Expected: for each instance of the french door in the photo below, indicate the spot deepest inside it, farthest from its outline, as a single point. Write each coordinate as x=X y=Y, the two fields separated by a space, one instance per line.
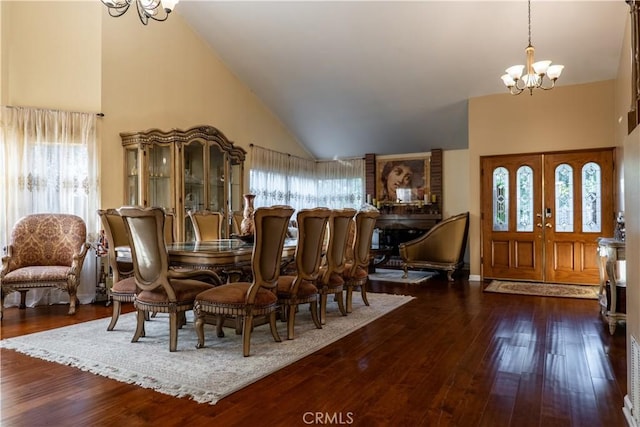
x=541 y=215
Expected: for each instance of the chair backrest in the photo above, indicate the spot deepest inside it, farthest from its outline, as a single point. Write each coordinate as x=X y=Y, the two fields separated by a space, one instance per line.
x=365 y=223
x=46 y=239
x=169 y=233
x=312 y=224
x=145 y=227
x=270 y=232
x=207 y=225
x=236 y=221
x=447 y=240
x=339 y=224
x=117 y=236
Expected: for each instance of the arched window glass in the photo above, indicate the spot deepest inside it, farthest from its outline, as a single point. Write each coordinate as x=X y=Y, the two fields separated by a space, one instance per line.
x=591 y=198
x=564 y=198
x=500 y=199
x=524 y=184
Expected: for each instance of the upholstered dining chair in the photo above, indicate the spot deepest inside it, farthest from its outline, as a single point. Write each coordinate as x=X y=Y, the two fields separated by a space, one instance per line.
x=293 y=290
x=123 y=289
x=169 y=227
x=247 y=300
x=331 y=282
x=356 y=272
x=160 y=289
x=207 y=225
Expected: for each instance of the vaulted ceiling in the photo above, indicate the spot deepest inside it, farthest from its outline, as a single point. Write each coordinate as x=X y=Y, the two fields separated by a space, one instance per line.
x=354 y=77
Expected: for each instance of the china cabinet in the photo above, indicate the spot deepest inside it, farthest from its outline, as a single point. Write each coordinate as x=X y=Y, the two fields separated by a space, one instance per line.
x=181 y=170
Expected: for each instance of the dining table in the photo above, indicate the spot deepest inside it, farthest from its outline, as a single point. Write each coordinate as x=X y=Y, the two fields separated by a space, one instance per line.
x=229 y=258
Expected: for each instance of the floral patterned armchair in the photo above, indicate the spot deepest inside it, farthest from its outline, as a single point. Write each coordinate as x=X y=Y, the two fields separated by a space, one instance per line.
x=45 y=250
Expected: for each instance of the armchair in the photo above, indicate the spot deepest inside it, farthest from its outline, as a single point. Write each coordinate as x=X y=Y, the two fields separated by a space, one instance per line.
x=441 y=248
x=46 y=251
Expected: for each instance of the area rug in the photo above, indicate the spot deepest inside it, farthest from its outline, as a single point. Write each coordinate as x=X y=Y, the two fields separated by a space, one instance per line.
x=543 y=289
x=389 y=275
x=205 y=375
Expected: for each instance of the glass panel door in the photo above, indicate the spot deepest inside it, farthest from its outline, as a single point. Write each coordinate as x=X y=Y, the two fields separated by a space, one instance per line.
x=131 y=172
x=194 y=189
x=160 y=172
x=216 y=179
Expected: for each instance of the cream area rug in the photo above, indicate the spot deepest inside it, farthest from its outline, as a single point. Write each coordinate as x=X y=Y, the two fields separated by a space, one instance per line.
x=205 y=375
x=390 y=275
x=543 y=289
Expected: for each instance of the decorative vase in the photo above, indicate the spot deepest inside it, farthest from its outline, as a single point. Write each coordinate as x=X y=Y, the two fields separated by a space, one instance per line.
x=247 y=225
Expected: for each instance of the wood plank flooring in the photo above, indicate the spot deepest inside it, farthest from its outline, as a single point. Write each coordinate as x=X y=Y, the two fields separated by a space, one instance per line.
x=454 y=356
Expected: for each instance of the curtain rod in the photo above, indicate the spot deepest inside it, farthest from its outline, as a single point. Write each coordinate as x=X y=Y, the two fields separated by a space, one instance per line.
x=50 y=109
x=315 y=160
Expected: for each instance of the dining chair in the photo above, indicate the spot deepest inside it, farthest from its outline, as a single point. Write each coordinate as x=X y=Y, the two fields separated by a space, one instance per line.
x=300 y=288
x=245 y=300
x=169 y=227
x=331 y=282
x=160 y=289
x=356 y=272
x=123 y=289
x=207 y=225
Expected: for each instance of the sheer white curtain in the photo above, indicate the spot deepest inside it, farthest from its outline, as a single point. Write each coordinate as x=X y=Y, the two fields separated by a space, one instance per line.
x=341 y=183
x=49 y=163
x=279 y=178
x=268 y=177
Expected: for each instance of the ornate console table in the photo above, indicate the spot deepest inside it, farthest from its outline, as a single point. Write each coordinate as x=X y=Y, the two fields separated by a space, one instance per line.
x=613 y=285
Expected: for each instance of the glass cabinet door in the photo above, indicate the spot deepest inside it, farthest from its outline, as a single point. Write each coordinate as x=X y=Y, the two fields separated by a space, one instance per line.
x=216 y=179
x=160 y=175
x=194 y=189
x=132 y=177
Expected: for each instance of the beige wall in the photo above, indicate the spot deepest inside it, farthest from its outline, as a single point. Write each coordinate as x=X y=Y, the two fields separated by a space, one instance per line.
x=74 y=56
x=565 y=118
x=45 y=63
x=164 y=76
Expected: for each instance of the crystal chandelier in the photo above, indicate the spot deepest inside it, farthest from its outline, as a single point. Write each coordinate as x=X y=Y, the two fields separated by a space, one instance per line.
x=158 y=10
x=535 y=72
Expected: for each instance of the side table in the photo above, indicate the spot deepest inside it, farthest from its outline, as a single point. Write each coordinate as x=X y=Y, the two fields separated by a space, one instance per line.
x=611 y=263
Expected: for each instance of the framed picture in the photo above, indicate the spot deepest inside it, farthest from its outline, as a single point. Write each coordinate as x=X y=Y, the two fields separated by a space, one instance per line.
x=403 y=178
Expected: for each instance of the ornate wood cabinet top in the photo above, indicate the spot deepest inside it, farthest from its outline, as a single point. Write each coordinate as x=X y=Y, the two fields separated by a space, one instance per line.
x=179 y=137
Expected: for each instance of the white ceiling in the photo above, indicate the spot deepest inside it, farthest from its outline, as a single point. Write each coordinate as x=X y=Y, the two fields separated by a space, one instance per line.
x=355 y=77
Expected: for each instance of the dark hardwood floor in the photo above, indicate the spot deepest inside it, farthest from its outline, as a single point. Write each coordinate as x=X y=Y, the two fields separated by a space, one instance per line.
x=454 y=356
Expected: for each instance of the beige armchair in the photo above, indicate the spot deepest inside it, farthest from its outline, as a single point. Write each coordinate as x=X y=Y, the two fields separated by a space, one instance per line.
x=441 y=248
x=46 y=250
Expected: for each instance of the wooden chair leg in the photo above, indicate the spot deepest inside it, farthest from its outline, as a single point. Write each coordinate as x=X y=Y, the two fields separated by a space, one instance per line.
x=174 y=324
x=199 y=327
x=114 y=315
x=246 y=334
x=313 y=306
x=139 y=327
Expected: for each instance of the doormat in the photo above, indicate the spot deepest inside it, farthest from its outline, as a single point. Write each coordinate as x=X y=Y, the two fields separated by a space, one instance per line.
x=544 y=289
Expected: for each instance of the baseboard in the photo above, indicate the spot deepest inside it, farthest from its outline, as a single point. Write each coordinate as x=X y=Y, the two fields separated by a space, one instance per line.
x=627 y=409
x=474 y=277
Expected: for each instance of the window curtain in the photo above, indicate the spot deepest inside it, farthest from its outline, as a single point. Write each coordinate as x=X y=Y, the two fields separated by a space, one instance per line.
x=279 y=178
x=340 y=183
x=49 y=164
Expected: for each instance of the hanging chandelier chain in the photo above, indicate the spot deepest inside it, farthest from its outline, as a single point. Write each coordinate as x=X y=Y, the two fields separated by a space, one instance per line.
x=529 y=14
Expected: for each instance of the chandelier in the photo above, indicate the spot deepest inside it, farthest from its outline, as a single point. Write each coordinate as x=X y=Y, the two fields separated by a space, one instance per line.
x=158 y=10
x=535 y=72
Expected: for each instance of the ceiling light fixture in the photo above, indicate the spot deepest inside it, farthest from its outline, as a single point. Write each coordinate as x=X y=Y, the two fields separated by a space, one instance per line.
x=158 y=10
x=535 y=71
